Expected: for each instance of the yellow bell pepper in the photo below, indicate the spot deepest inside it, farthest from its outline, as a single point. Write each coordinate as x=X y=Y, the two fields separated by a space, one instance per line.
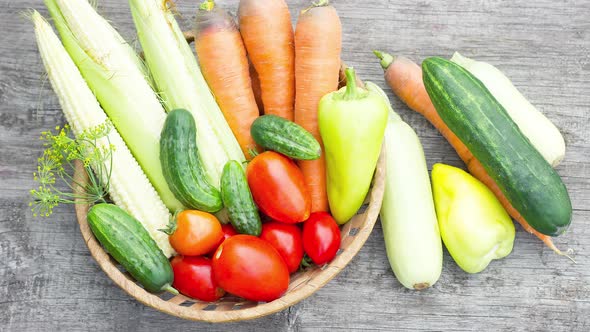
x=474 y=226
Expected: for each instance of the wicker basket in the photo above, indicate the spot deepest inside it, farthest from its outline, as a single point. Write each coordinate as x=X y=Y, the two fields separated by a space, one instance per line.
x=230 y=308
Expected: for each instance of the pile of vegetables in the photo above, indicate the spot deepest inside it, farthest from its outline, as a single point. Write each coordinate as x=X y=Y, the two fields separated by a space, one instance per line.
x=229 y=171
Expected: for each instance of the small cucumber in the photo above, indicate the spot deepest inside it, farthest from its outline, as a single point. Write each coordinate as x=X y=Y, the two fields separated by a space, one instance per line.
x=127 y=241
x=237 y=198
x=280 y=135
x=181 y=165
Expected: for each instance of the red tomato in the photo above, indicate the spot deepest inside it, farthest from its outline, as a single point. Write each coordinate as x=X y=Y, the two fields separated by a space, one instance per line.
x=247 y=266
x=196 y=233
x=287 y=240
x=193 y=276
x=321 y=237
x=278 y=187
x=228 y=231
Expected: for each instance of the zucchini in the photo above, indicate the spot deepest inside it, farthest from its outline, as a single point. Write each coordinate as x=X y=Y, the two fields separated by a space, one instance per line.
x=408 y=197
x=237 y=198
x=286 y=137
x=472 y=113
x=182 y=166
x=125 y=239
x=543 y=134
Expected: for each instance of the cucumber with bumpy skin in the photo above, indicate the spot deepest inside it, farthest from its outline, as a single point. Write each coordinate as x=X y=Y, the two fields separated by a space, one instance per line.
x=181 y=165
x=125 y=239
x=237 y=198
x=286 y=137
x=472 y=113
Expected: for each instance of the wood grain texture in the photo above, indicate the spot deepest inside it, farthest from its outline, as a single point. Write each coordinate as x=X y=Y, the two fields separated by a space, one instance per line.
x=48 y=281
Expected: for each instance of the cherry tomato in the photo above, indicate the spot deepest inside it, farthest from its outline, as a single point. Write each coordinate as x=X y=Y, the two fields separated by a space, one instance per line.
x=193 y=276
x=278 y=187
x=247 y=266
x=228 y=231
x=321 y=237
x=196 y=233
x=287 y=240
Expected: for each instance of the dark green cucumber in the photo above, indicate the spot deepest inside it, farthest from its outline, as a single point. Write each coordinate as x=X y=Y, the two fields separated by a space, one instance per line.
x=181 y=165
x=237 y=198
x=127 y=241
x=277 y=134
x=529 y=183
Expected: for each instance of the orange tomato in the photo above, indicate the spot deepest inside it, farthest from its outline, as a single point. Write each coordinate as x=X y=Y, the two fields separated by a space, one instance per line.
x=196 y=233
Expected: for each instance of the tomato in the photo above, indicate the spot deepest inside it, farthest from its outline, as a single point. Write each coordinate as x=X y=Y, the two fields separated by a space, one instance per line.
x=287 y=240
x=196 y=233
x=228 y=231
x=321 y=237
x=278 y=187
x=247 y=266
x=193 y=276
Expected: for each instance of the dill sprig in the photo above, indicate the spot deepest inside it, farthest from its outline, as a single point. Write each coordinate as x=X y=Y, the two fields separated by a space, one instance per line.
x=57 y=163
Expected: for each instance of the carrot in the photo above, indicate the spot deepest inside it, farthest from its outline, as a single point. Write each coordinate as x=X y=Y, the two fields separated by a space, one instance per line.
x=318 y=37
x=223 y=61
x=405 y=79
x=266 y=28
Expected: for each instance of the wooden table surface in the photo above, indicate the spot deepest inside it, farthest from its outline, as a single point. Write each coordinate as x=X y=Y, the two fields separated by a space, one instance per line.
x=49 y=282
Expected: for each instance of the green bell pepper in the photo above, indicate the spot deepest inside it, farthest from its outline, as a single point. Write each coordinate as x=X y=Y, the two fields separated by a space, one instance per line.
x=474 y=226
x=352 y=123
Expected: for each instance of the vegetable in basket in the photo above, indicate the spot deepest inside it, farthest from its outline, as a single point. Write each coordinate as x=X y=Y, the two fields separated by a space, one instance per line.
x=193 y=232
x=474 y=226
x=408 y=216
x=246 y=266
x=193 y=276
x=352 y=123
x=118 y=78
x=265 y=26
x=318 y=43
x=237 y=198
x=278 y=187
x=119 y=174
x=543 y=134
x=405 y=79
x=182 y=165
x=283 y=136
x=224 y=64
x=321 y=238
x=180 y=83
x=287 y=239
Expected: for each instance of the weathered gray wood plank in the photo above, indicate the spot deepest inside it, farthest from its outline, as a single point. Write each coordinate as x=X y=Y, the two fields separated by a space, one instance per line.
x=48 y=280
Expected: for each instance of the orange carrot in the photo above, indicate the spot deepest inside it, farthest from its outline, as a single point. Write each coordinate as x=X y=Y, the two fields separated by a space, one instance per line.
x=223 y=61
x=318 y=37
x=266 y=28
x=405 y=79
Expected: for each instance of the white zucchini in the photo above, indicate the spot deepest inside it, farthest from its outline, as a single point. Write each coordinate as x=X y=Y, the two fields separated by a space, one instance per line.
x=540 y=131
x=408 y=217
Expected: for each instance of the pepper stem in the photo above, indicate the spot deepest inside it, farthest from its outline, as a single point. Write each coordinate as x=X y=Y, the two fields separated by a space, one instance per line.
x=207 y=5
x=169 y=288
x=386 y=58
x=351 y=87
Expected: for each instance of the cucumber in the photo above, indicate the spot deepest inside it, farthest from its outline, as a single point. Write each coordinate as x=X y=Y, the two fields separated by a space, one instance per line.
x=286 y=137
x=527 y=180
x=181 y=165
x=127 y=241
x=237 y=198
